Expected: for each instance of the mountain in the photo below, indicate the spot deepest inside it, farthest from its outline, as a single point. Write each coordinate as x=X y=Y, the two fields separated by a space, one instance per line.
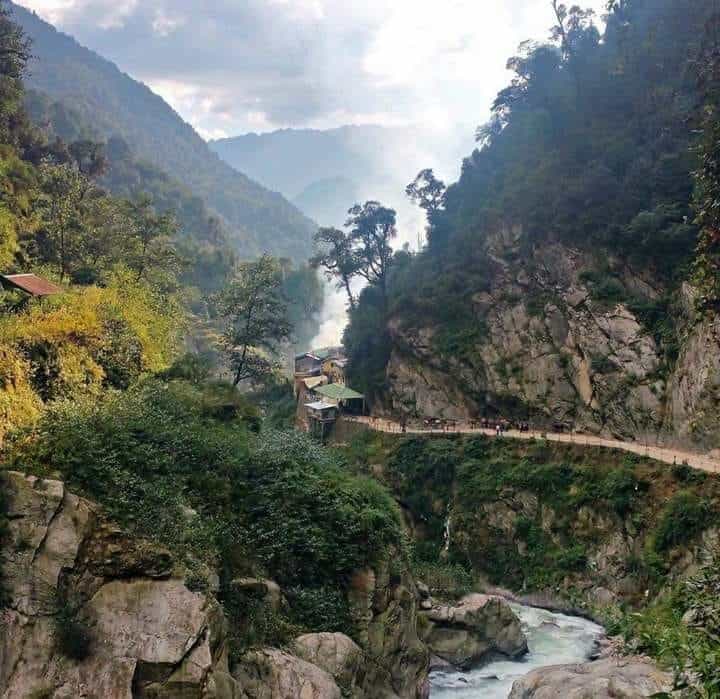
x=557 y=283
x=117 y=105
x=326 y=171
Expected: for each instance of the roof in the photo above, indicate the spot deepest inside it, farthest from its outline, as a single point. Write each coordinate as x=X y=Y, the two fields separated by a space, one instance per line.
x=320 y=405
x=329 y=353
x=307 y=354
x=337 y=391
x=30 y=284
x=313 y=381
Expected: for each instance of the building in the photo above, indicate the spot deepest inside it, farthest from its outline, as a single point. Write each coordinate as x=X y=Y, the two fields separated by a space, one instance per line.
x=307 y=364
x=29 y=284
x=334 y=369
x=341 y=396
x=321 y=416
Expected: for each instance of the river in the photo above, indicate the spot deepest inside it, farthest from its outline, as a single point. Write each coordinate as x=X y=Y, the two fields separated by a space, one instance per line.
x=553 y=639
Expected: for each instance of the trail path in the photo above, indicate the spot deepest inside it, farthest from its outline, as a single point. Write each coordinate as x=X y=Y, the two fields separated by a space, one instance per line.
x=704 y=462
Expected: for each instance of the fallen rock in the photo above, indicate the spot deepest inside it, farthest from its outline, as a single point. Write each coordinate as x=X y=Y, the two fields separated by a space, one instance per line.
x=335 y=653
x=610 y=678
x=274 y=674
x=477 y=625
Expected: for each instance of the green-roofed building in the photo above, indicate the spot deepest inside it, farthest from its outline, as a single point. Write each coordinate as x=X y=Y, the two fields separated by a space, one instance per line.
x=338 y=391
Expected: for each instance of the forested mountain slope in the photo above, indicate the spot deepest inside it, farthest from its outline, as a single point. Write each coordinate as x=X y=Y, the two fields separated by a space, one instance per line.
x=117 y=105
x=555 y=284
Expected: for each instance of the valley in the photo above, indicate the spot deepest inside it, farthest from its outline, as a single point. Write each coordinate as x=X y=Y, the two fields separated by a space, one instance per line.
x=356 y=406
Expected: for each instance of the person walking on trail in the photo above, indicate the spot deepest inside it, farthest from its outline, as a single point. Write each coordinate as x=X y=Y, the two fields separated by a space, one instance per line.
x=498 y=430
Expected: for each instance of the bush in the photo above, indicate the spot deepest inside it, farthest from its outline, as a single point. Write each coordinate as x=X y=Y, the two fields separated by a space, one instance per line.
x=447 y=581
x=276 y=501
x=320 y=609
x=682 y=519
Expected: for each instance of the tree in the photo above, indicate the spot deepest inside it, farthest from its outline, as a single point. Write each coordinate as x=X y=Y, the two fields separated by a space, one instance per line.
x=428 y=192
x=63 y=191
x=337 y=257
x=707 y=177
x=152 y=233
x=256 y=319
x=371 y=228
x=14 y=55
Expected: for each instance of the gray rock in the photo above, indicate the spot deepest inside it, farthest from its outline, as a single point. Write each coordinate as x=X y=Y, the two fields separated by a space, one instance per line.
x=274 y=674
x=335 y=653
x=610 y=678
x=479 y=624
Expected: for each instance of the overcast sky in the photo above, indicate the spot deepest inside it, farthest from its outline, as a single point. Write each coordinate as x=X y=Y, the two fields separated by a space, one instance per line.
x=233 y=66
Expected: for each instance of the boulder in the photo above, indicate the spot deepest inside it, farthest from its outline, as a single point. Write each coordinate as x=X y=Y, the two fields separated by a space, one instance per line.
x=629 y=678
x=274 y=674
x=477 y=625
x=147 y=634
x=267 y=590
x=335 y=653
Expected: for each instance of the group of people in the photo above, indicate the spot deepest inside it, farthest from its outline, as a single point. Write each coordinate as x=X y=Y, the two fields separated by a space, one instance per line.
x=501 y=425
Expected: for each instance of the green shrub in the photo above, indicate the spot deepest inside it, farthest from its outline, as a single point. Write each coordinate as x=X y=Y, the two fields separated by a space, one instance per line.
x=682 y=519
x=275 y=499
x=447 y=581
x=320 y=609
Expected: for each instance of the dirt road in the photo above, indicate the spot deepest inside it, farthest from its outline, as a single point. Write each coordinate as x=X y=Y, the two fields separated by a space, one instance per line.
x=704 y=462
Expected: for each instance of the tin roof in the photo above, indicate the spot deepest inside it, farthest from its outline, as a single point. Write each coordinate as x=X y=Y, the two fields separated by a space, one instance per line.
x=320 y=405
x=313 y=381
x=30 y=284
x=336 y=391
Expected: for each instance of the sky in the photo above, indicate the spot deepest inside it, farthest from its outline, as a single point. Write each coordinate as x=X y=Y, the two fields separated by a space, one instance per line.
x=236 y=66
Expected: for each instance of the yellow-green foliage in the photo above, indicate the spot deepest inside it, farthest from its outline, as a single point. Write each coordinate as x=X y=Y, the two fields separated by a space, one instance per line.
x=19 y=404
x=80 y=342
x=18 y=188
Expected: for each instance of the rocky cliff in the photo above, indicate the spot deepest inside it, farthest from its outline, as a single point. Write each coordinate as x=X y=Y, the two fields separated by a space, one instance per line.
x=89 y=611
x=564 y=336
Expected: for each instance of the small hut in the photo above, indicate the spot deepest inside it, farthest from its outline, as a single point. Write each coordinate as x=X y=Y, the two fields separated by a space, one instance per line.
x=29 y=284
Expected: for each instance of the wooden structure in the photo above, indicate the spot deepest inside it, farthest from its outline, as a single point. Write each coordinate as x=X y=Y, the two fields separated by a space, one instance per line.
x=342 y=396
x=321 y=416
x=29 y=284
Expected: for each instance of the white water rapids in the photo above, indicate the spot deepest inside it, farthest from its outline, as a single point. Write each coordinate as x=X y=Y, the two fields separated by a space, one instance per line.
x=553 y=639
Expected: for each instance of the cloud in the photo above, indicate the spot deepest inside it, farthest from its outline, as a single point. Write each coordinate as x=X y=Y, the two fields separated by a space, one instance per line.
x=231 y=67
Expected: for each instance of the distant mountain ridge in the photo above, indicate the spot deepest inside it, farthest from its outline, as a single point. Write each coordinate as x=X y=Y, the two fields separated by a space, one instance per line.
x=116 y=104
x=325 y=172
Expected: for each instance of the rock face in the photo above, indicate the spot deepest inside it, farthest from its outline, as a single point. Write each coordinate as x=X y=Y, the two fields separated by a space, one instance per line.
x=480 y=624
x=546 y=343
x=96 y=613
x=384 y=607
x=149 y=634
x=630 y=678
x=695 y=389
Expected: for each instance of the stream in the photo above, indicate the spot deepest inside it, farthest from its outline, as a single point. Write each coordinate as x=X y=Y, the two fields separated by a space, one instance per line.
x=553 y=639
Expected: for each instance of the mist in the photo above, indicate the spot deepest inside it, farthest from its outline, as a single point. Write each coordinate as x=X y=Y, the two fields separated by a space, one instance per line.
x=406 y=152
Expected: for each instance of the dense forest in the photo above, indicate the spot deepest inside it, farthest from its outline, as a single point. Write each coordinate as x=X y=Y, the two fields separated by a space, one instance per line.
x=593 y=145
x=117 y=106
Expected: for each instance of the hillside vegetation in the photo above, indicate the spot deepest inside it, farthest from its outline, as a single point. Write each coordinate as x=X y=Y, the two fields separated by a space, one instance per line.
x=552 y=279
x=631 y=540
x=118 y=106
x=95 y=391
